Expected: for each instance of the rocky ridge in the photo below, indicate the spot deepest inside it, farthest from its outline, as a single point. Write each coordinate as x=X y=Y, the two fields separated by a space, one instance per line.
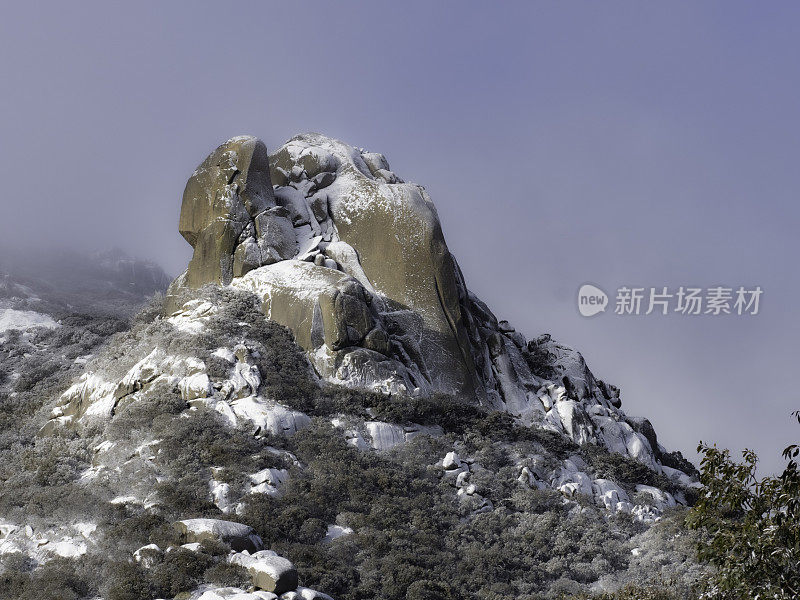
x=301 y=239
x=353 y=260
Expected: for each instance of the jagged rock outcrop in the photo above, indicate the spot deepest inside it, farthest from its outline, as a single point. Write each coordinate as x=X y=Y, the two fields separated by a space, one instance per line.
x=353 y=260
x=343 y=252
x=226 y=202
x=202 y=440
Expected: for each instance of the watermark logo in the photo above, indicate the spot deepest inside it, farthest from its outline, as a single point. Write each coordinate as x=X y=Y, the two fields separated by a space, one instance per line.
x=684 y=300
x=591 y=300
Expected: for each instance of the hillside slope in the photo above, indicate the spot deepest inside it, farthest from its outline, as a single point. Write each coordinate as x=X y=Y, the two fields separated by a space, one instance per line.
x=321 y=404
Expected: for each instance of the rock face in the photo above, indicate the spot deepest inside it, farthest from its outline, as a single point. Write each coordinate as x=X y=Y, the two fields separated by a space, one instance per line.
x=269 y=571
x=240 y=537
x=343 y=252
x=353 y=260
x=228 y=201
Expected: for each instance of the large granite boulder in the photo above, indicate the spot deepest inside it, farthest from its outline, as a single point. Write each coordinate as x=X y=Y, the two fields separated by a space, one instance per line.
x=353 y=260
x=341 y=251
x=320 y=305
x=241 y=538
x=268 y=571
x=222 y=202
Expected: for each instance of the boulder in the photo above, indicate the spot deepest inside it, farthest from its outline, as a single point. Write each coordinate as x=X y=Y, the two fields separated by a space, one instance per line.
x=269 y=571
x=195 y=386
x=610 y=495
x=224 y=195
x=661 y=499
x=320 y=305
x=230 y=593
x=385 y=435
x=267 y=416
x=304 y=593
x=148 y=556
x=240 y=537
x=369 y=247
x=451 y=461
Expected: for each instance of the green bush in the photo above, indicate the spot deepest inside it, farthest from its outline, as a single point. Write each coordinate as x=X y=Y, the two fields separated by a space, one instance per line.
x=181 y=570
x=128 y=582
x=59 y=579
x=228 y=575
x=136 y=416
x=753 y=525
x=624 y=470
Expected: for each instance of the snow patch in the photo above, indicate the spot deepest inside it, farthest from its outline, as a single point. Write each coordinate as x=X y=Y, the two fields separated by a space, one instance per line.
x=24 y=319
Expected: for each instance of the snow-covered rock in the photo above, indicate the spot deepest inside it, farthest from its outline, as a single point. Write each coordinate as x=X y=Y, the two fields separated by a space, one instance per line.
x=661 y=499
x=646 y=514
x=192 y=316
x=384 y=436
x=619 y=436
x=609 y=495
x=570 y=481
x=230 y=593
x=268 y=481
x=195 y=386
x=239 y=536
x=335 y=532
x=269 y=416
x=43 y=545
x=303 y=593
x=148 y=555
x=680 y=477
x=269 y=571
x=220 y=495
x=24 y=320
x=451 y=461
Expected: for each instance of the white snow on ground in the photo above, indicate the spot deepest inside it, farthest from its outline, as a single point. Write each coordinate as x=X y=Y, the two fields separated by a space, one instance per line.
x=193 y=316
x=69 y=541
x=336 y=531
x=301 y=278
x=24 y=319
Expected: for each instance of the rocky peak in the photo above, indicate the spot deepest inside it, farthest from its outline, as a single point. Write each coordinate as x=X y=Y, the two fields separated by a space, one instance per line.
x=218 y=436
x=353 y=260
x=343 y=252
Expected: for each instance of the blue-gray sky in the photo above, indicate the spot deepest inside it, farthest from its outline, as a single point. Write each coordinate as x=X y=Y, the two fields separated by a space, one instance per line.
x=622 y=143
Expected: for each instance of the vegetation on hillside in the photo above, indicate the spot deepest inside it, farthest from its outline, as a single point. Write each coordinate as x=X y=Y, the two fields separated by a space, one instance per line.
x=413 y=537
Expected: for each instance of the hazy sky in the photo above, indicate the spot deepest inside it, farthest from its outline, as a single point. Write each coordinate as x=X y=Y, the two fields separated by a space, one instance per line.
x=639 y=144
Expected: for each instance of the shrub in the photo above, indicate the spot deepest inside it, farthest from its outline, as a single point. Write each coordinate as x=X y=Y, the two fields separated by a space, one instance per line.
x=181 y=570
x=753 y=525
x=228 y=575
x=159 y=399
x=58 y=579
x=624 y=470
x=128 y=582
x=152 y=310
x=675 y=460
x=426 y=589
